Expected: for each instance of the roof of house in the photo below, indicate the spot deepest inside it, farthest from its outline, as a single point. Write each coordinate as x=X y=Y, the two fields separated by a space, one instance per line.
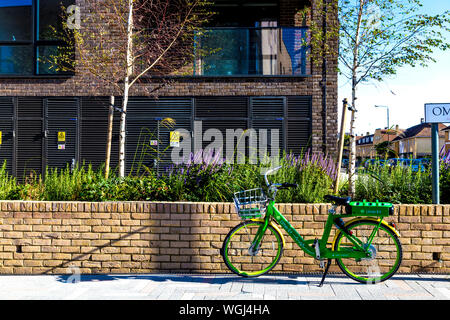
x=420 y=130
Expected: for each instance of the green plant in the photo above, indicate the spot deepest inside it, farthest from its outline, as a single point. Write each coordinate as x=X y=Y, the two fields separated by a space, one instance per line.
x=393 y=184
x=8 y=184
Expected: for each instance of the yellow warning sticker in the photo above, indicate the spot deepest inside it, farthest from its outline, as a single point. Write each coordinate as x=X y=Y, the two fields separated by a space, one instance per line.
x=61 y=136
x=174 y=139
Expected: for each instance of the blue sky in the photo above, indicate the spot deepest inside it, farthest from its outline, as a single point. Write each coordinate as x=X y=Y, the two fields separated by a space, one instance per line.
x=413 y=87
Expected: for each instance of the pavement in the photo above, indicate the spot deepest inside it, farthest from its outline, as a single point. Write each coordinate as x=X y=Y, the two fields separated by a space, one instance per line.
x=190 y=287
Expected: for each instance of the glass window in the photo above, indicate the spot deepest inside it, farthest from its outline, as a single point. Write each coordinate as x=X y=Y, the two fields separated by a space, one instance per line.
x=16 y=20
x=16 y=60
x=28 y=45
x=53 y=59
x=50 y=15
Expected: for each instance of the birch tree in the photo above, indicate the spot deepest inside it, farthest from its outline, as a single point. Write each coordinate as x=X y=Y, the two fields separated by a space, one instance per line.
x=122 y=44
x=376 y=38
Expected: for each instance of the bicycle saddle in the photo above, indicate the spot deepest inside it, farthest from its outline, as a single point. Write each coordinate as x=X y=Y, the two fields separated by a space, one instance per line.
x=338 y=200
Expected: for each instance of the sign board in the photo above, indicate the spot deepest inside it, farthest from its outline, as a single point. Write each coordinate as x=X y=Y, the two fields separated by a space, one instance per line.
x=174 y=139
x=437 y=112
x=1 y=134
x=153 y=142
x=61 y=147
x=61 y=136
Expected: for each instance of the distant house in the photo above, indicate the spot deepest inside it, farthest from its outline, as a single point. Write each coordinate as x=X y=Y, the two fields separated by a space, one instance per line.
x=365 y=146
x=415 y=141
x=446 y=132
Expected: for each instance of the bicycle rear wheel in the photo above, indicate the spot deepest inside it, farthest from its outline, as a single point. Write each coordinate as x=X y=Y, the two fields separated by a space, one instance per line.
x=386 y=253
x=242 y=259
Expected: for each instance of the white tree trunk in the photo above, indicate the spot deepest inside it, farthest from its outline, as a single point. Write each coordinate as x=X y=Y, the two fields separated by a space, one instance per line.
x=109 y=137
x=126 y=90
x=352 y=156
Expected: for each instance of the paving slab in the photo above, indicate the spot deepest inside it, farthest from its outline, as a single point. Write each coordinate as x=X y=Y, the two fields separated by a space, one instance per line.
x=220 y=287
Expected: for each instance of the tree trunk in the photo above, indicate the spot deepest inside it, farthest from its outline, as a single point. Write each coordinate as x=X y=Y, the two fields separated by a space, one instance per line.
x=126 y=91
x=352 y=156
x=109 y=137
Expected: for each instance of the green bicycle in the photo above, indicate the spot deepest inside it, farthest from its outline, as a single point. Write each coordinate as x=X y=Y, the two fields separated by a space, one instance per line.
x=366 y=248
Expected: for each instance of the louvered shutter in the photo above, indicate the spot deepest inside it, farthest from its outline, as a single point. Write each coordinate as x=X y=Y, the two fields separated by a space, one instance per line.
x=94 y=130
x=299 y=123
x=30 y=136
x=143 y=115
x=268 y=114
x=7 y=132
x=224 y=113
x=61 y=116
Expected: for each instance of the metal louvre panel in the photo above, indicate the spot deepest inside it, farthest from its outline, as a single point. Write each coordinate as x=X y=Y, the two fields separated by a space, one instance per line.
x=299 y=106
x=269 y=125
x=30 y=136
x=29 y=147
x=140 y=152
x=299 y=126
x=56 y=157
x=62 y=108
x=142 y=127
x=93 y=142
x=223 y=126
x=30 y=107
x=6 y=108
x=94 y=130
x=143 y=107
x=267 y=107
x=221 y=107
x=166 y=155
x=7 y=145
x=299 y=136
x=61 y=117
x=95 y=107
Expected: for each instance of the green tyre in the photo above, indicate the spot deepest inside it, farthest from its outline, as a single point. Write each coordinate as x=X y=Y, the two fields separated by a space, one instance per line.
x=239 y=256
x=386 y=253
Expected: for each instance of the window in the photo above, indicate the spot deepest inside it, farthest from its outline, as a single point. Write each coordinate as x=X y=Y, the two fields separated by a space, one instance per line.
x=27 y=35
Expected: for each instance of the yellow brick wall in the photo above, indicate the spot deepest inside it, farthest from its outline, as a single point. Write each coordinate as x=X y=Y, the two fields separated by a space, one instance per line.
x=147 y=237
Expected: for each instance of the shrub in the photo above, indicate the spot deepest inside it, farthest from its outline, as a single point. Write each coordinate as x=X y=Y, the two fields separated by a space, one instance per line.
x=393 y=184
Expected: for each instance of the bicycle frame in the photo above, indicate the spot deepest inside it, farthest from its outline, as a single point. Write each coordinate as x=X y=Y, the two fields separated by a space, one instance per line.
x=358 y=251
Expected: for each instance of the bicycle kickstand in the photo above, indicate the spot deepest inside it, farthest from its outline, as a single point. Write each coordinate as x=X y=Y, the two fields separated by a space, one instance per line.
x=325 y=272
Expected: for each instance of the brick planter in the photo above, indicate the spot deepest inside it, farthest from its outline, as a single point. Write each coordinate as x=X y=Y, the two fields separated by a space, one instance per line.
x=145 y=237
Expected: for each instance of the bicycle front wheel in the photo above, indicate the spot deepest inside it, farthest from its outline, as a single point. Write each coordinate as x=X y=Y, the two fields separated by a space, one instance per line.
x=240 y=256
x=385 y=249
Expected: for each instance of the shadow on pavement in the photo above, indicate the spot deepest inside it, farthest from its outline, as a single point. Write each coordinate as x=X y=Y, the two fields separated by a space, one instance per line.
x=212 y=279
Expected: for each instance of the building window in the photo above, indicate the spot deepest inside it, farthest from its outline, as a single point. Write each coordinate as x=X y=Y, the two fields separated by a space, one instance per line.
x=27 y=35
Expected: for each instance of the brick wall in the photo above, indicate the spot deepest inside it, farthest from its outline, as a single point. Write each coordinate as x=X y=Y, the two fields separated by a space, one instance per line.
x=146 y=237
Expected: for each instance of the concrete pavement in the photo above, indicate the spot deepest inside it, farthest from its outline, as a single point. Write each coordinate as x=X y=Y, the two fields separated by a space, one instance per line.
x=219 y=287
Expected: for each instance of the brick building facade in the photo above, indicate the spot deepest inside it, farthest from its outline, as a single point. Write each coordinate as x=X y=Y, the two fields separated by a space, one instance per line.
x=35 y=107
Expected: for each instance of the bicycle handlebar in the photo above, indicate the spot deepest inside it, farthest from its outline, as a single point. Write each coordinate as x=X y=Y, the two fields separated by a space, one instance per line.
x=284 y=185
x=270 y=172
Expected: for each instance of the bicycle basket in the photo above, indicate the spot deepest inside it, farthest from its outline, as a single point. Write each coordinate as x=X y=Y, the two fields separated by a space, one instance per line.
x=250 y=203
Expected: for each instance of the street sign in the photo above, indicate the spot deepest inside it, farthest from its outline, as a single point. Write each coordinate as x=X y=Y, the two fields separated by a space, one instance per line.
x=437 y=112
